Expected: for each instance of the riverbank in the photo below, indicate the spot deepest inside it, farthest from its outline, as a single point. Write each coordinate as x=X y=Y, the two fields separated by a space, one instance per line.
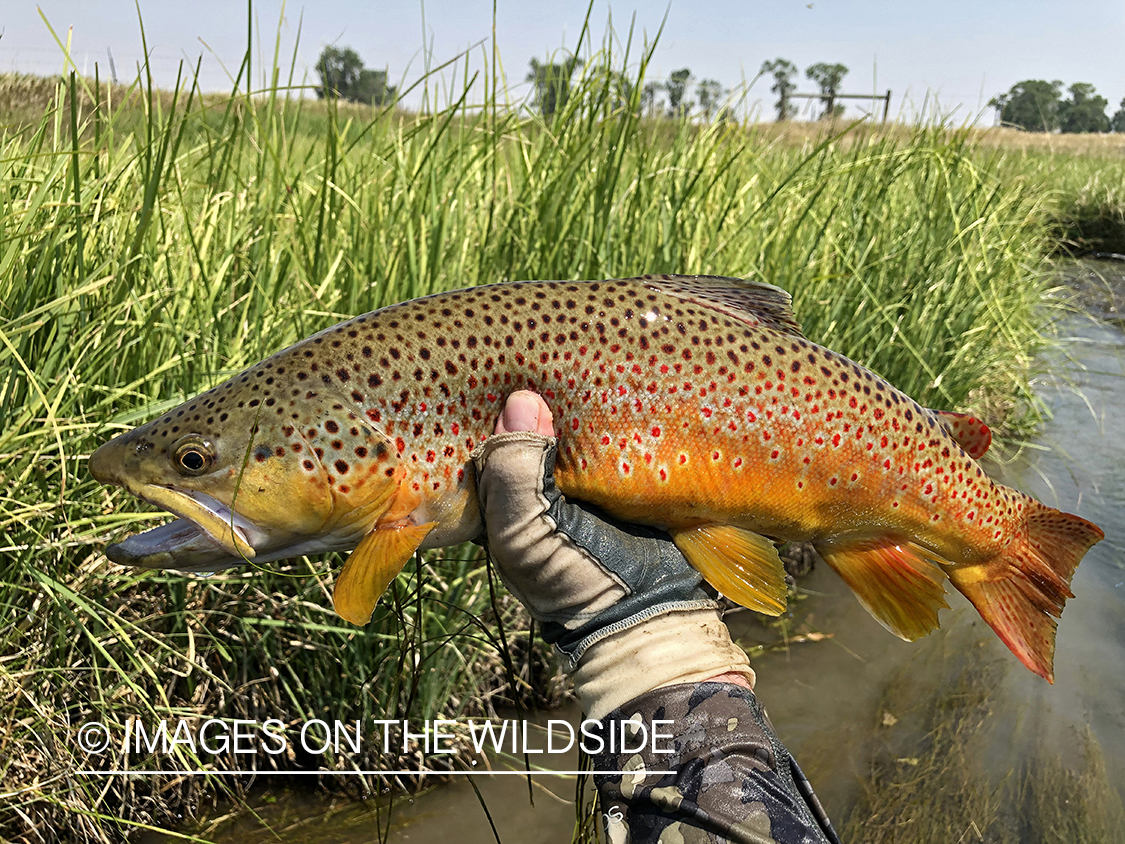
x=150 y=252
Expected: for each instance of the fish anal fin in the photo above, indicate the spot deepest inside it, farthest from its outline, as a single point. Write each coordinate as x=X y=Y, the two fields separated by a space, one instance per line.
x=752 y=302
x=971 y=434
x=744 y=566
x=897 y=582
x=378 y=557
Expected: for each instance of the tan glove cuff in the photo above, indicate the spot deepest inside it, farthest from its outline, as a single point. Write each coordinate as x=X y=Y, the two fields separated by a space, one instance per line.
x=677 y=647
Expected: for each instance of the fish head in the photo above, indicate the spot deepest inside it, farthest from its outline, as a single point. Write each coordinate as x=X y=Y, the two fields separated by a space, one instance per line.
x=252 y=476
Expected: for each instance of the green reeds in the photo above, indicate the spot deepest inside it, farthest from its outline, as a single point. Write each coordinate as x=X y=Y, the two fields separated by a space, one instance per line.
x=153 y=243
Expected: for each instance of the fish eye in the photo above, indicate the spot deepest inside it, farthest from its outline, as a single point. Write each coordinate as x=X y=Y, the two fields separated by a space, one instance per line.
x=193 y=455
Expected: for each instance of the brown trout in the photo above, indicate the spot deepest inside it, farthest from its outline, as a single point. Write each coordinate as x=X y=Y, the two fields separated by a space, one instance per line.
x=691 y=404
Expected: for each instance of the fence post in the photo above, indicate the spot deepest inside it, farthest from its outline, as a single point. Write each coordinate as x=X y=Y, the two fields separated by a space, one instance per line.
x=886 y=105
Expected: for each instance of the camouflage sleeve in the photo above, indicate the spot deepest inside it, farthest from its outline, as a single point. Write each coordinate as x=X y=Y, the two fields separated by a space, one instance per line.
x=731 y=778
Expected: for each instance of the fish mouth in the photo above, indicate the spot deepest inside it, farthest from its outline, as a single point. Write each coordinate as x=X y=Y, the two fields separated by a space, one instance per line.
x=206 y=536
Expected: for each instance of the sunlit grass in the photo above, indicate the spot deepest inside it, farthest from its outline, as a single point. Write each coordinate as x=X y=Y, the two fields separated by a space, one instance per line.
x=154 y=244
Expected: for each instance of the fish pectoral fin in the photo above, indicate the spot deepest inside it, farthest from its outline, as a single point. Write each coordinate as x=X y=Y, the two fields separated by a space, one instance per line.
x=741 y=564
x=971 y=434
x=900 y=584
x=372 y=566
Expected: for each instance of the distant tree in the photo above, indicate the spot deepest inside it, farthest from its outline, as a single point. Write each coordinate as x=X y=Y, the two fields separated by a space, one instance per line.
x=552 y=83
x=372 y=87
x=1084 y=111
x=828 y=77
x=338 y=70
x=1032 y=104
x=783 y=72
x=1117 y=124
x=676 y=87
x=710 y=93
x=342 y=75
x=649 y=94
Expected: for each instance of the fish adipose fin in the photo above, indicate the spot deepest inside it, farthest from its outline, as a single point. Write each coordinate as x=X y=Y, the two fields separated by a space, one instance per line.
x=898 y=583
x=752 y=302
x=372 y=566
x=1022 y=593
x=971 y=434
x=744 y=566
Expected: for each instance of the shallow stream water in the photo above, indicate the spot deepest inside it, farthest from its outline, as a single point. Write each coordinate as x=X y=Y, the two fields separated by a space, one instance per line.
x=836 y=701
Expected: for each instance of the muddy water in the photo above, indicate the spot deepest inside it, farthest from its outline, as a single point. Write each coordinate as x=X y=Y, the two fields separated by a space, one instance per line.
x=828 y=698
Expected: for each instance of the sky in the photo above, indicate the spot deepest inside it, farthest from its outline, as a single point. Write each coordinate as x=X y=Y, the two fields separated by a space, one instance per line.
x=957 y=53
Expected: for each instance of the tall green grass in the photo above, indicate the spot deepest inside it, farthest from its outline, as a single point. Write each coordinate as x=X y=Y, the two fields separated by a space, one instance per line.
x=149 y=250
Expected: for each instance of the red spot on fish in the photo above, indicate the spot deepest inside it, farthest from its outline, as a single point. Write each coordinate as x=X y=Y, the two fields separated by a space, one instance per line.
x=836 y=439
x=832 y=482
x=574 y=424
x=663 y=475
x=738 y=462
x=400 y=444
x=774 y=454
x=625 y=468
x=605 y=440
x=683 y=459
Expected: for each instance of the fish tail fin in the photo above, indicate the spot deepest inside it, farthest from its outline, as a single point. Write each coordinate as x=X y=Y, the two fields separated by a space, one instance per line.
x=899 y=583
x=1023 y=591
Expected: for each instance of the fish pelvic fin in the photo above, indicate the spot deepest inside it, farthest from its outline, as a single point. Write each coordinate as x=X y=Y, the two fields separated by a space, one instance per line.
x=752 y=302
x=372 y=566
x=899 y=583
x=1023 y=591
x=971 y=434
x=742 y=565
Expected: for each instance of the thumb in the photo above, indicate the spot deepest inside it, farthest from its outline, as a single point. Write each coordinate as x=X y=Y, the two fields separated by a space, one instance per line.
x=526 y=411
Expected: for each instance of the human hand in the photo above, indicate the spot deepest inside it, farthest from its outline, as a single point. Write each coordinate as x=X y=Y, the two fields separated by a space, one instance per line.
x=620 y=601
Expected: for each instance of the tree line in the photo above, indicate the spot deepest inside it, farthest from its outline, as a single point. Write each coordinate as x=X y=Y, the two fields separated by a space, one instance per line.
x=1034 y=105
x=1039 y=106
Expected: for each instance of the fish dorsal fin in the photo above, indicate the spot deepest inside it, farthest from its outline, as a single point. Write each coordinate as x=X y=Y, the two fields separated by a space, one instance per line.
x=971 y=434
x=744 y=566
x=752 y=302
x=372 y=566
x=900 y=584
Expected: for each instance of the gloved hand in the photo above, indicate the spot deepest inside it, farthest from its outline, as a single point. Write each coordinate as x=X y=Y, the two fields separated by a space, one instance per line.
x=619 y=601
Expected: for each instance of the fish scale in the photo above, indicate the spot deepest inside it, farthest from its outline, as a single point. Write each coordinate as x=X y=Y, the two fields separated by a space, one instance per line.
x=691 y=404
